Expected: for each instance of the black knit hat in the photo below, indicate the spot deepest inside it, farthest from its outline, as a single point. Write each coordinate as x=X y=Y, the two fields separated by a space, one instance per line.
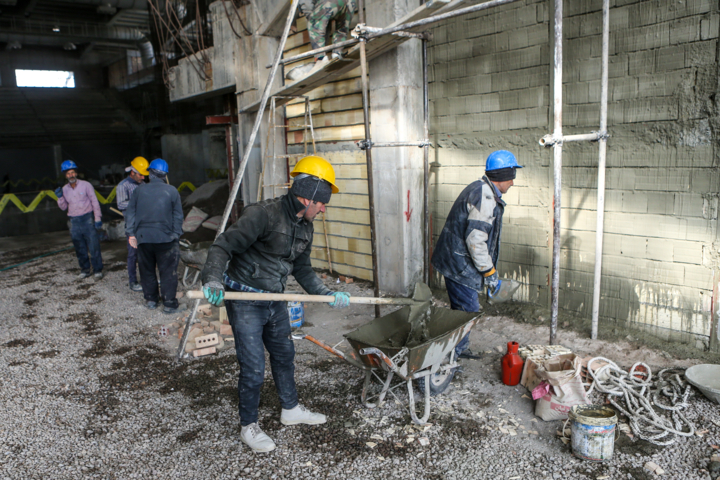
x=501 y=174
x=312 y=188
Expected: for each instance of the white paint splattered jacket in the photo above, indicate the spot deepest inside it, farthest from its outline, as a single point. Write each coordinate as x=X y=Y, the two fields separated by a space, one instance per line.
x=469 y=245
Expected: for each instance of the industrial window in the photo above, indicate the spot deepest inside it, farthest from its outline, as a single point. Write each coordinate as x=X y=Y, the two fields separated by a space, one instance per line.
x=45 y=78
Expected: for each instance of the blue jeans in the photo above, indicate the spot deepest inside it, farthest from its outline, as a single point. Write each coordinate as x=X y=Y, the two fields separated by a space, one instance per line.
x=132 y=262
x=86 y=241
x=465 y=299
x=257 y=326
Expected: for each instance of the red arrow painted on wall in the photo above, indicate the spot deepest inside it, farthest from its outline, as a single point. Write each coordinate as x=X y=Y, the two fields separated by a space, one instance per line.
x=409 y=211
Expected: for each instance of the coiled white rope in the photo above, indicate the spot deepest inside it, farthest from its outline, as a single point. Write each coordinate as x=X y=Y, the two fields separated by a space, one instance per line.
x=635 y=395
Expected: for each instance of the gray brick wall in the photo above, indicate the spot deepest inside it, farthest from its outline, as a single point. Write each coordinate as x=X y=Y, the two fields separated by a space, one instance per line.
x=490 y=76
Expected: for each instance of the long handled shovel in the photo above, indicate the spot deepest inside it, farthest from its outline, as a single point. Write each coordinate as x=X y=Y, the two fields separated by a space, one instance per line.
x=421 y=294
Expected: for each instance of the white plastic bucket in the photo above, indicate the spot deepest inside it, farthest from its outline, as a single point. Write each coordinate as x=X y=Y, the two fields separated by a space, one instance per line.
x=593 y=432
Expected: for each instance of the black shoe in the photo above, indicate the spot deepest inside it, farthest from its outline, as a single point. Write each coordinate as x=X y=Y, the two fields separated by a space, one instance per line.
x=135 y=287
x=151 y=305
x=469 y=354
x=177 y=309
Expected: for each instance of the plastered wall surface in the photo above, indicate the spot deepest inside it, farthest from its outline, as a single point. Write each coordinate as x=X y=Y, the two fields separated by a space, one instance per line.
x=490 y=75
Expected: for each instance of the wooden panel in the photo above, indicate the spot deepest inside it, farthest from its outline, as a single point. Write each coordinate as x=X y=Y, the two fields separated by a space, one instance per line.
x=331 y=134
x=349 y=117
x=324 y=105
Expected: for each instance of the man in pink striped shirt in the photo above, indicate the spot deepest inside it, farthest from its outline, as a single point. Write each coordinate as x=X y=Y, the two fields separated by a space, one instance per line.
x=79 y=199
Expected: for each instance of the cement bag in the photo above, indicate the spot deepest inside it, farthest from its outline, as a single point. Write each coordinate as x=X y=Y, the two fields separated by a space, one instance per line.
x=213 y=223
x=559 y=369
x=561 y=387
x=193 y=220
x=558 y=401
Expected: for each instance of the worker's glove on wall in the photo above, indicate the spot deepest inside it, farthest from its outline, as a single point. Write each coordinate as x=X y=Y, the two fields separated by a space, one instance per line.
x=493 y=283
x=58 y=192
x=342 y=299
x=214 y=293
x=98 y=225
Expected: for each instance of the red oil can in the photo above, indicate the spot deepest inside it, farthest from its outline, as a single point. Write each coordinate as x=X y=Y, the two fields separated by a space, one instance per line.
x=512 y=365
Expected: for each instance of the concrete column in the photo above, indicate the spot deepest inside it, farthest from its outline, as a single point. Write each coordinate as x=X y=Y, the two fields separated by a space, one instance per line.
x=57 y=159
x=253 y=54
x=396 y=114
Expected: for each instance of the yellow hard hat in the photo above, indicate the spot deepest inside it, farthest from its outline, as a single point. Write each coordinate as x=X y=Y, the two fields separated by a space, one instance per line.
x=317 y=167
x=141 y=165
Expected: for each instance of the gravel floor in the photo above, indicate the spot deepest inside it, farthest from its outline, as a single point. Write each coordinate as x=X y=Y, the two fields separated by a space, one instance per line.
x=89 y=390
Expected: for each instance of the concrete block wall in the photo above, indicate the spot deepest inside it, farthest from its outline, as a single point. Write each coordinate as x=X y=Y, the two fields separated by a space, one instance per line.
x=490 y=74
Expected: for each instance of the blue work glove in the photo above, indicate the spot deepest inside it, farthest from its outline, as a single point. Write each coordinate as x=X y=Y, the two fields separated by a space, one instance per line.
x=58 y=192
x=493 y=283
x=342 y=299
x=214 y=293
x=98 y=225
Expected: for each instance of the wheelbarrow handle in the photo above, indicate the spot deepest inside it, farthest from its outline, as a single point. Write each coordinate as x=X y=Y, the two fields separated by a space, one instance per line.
x=290 y=297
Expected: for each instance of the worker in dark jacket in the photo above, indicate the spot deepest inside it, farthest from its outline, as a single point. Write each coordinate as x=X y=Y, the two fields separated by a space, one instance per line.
x=271 y=240
x=153 y=223
x=469 y=245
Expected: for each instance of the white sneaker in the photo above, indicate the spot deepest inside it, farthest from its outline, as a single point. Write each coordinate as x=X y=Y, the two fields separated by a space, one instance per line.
x=296 y=73
x=253 y=437
x=300 y=414
x=83 y=275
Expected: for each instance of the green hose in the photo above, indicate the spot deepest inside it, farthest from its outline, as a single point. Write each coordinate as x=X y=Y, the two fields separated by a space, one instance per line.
x=39 y=256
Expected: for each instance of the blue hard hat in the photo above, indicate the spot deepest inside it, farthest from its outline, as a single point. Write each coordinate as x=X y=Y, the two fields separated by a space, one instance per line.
x=501 y=159
x=67 y=165
x=159 y=164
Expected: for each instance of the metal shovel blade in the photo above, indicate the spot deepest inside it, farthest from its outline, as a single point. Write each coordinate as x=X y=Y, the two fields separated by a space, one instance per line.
x=507 y=289
x=422 y=292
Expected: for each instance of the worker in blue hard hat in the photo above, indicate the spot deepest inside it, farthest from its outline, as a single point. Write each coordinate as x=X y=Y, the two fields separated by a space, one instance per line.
x=79 y=199
x=153 y=223
x=467 y=250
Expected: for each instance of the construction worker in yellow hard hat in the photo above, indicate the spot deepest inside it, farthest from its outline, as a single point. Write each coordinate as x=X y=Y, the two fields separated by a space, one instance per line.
x=271 y=240
x=138 y=170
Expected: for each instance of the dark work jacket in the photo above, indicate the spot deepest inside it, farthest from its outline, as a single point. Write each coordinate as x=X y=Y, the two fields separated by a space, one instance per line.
x=469 y=219
x=266 y=244
x=154 y=213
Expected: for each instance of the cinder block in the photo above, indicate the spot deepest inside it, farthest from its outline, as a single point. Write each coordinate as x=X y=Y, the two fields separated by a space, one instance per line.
x=709 y=27
x=635 y=247
x=207 y=340
x=689 y=205
x=660 y=249
x=635 y=202
x=685 y=30
x=697 y=276
x=670 y=58
x=204 y=351
x=687 y=252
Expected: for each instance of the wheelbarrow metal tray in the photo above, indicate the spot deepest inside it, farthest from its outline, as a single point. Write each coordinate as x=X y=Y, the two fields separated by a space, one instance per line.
x=388 y=333
x=196 y=254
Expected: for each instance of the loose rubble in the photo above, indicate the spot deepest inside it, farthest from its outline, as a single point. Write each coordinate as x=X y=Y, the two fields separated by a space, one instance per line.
x=90 y=389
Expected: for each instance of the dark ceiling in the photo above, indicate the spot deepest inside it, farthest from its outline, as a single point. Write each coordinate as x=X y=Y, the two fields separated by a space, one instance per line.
x=88 y=32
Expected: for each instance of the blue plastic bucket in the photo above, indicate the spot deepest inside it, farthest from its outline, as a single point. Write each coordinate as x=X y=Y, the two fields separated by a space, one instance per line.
x=296 y=311
x=592 y=432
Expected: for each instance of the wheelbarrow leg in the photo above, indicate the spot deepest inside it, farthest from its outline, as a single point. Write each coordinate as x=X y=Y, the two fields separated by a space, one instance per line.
x=366 y=387
x=184 y=278
x=411 y=400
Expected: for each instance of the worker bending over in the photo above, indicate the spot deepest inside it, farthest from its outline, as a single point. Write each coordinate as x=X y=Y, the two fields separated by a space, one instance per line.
x=319 y=15
x=467 y=250
x=271 y=240
x=79 y=199
x=138 y=171
x=153 y=221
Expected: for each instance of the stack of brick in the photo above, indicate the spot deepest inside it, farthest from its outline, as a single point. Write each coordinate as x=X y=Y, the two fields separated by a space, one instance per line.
x=211 y=334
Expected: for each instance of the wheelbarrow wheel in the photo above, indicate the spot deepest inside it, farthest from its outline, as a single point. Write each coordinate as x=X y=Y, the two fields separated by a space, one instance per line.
x=439 y=381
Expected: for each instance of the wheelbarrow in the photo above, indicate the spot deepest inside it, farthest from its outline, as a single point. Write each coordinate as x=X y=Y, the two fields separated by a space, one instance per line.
x=377 y=349
x=193 y=256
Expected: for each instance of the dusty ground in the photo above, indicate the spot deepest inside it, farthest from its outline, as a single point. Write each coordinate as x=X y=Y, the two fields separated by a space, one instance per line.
x=89 y=390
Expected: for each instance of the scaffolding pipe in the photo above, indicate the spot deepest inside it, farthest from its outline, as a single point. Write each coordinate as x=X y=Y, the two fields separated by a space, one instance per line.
x=599 y=231
x=549 y=140
x=368 y=158
x=426 y=166
x=258 y=119
x=404 y=26
x=557 y=169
